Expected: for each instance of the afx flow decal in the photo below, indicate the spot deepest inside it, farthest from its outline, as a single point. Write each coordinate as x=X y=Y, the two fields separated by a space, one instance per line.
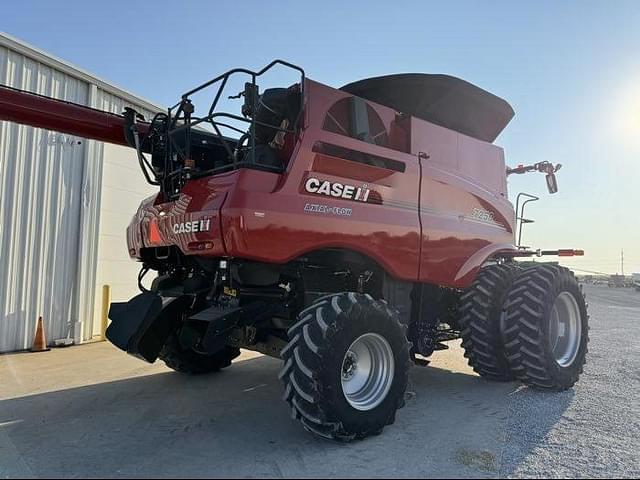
x=192 y=227
x=337 y=190
x=328 y=209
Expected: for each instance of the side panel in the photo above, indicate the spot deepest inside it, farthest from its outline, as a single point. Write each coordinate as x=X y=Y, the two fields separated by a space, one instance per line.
x=280 y=224
x=465 y=214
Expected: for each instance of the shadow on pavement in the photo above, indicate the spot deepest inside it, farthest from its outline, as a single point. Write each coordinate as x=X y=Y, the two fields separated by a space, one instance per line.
x=234 y=424
x=532 y=414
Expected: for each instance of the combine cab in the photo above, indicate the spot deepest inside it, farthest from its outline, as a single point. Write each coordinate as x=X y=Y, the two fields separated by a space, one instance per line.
x=350 y=232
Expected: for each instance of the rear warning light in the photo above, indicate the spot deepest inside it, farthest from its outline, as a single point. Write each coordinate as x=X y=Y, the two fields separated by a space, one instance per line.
x=154 y=232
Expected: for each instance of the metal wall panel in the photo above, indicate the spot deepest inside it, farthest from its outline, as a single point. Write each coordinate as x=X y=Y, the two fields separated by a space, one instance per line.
x=40 y=183
x=50 y=196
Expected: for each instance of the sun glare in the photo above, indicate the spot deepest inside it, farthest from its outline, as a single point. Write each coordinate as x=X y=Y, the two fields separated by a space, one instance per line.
x=626 y=116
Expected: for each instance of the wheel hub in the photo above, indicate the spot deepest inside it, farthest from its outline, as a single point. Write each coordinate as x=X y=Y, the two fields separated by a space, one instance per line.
x=565 y=329
x=349 y=366
x=367 y=372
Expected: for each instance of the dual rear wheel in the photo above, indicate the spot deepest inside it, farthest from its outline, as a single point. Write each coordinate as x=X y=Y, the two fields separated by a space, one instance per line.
x=546 y=328
x=526 y=324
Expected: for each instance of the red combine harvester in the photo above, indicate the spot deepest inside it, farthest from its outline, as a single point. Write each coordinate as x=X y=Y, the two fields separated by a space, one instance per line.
x=349 y=232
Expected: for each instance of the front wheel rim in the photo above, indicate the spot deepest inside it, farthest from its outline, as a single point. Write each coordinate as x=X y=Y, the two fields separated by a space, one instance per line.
x=565 y=329
x=368 y=369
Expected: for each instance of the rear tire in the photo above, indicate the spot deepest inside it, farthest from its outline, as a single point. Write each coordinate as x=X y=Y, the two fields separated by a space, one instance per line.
x=339 y=341
x=481 y=312
x=194 y=363
x=547 y=329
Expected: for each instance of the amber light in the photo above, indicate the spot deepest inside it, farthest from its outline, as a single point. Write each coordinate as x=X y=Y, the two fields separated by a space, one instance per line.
x=154 y=232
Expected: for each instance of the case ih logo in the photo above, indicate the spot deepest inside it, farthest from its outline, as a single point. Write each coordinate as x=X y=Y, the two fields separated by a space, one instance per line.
x=337 y=190
x=192 y=227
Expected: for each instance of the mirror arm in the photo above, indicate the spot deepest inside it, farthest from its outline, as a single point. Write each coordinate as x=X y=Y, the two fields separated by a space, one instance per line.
x=543 y=167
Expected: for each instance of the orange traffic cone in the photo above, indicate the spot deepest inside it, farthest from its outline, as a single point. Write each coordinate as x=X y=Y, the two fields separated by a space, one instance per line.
x=40 y=342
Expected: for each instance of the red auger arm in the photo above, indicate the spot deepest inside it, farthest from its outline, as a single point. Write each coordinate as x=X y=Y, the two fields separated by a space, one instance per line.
x=44 y=112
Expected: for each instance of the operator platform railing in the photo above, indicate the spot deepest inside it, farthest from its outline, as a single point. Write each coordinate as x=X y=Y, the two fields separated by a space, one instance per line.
x=180 y=118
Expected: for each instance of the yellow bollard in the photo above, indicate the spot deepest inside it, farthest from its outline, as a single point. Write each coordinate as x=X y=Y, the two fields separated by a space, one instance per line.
x=106 y=301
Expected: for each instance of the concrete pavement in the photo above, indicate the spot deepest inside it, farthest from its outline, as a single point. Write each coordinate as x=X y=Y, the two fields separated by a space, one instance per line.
x=92 y=411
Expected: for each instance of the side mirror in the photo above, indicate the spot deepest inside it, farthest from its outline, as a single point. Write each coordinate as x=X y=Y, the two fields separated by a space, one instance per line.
x=552 y=183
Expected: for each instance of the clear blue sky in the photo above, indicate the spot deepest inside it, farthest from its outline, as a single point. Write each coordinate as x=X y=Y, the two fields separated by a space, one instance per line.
x=571 y=70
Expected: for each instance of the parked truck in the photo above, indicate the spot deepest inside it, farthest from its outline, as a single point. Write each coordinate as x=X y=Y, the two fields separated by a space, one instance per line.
x=350 y=232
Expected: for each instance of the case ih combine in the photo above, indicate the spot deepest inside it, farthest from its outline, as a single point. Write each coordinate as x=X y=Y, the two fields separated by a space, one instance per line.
x=349 y=232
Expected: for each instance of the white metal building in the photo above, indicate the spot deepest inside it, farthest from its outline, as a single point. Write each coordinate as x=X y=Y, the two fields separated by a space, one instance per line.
x=65 y=203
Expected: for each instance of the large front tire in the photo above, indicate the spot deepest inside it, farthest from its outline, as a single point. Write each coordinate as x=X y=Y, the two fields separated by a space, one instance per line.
x=346 y=367
x=547 y=329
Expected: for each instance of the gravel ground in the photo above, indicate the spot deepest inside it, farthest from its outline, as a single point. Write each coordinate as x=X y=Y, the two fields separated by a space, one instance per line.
x=592 y=430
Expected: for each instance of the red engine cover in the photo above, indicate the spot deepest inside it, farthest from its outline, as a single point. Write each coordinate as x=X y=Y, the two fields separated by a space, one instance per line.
x=425 y=202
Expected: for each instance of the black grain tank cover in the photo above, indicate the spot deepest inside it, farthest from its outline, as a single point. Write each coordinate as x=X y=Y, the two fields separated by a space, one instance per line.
x=441 y=99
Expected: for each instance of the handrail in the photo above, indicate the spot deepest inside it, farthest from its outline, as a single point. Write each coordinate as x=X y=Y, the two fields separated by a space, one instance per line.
x=181 y=121
x=520 y=213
